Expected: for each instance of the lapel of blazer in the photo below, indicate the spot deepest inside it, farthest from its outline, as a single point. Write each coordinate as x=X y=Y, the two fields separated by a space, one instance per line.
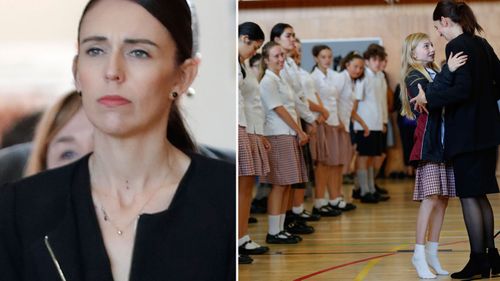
x=56 y=255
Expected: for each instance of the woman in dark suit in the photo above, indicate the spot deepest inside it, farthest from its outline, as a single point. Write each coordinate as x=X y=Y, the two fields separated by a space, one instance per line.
x=472 y=134
x=142 y=206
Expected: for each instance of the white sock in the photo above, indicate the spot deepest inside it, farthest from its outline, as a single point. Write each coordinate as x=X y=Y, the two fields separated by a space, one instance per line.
x=431 y=251
x=420 y=264
x=282 y=222
x=243 y=240
x=363 y=181
x=318 y=203
x=298 y=210
x=335 y=201
x=274 y=224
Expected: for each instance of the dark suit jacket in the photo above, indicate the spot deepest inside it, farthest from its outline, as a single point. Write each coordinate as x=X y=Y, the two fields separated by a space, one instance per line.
x=472 y=118
x=49 y=228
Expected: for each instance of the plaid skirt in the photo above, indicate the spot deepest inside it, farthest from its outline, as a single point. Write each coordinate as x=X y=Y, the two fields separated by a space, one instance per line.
x=433 y=178
x=286 y=161
x=245 y=160
x=259 y=155
x=331 y=146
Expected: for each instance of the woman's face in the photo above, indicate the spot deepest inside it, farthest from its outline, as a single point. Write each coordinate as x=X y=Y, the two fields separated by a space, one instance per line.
x=424 y=52
x=248 y=48
x=73 y=141
x=442 y=27
x=324 y=59
x=355 y=68
x=126 y=69
x=276 y=59
x=287 y=39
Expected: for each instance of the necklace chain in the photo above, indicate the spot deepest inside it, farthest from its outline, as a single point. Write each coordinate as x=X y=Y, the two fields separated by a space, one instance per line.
x=120 y=230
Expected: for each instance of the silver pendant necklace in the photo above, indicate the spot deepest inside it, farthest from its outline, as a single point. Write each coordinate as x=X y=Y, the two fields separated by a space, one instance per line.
x=121 y=230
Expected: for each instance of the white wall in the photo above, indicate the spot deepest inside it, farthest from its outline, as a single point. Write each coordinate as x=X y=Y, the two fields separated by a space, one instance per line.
x=38 y=42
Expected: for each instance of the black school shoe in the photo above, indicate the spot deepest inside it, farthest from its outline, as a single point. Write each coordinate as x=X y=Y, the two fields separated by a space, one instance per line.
x=326 y=211
x=252 y=248
x=347 y=207
x=281 y=238
x=381 y=190
x=304 y=216
x=381 y=197
x=299 y=227
x=369 y=198
x=356 y=193
x=244 y=259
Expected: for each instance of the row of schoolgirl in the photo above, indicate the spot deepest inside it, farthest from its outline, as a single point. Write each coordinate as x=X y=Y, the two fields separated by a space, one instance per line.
x=286 y=113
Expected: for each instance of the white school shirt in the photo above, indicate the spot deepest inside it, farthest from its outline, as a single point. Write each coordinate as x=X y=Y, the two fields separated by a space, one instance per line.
x=241 y=104
x=347 y=95
x=372 y=105
x=327 y=86
x=291 y=74
x=309 y=88
x=274 y=92
x=254 y=112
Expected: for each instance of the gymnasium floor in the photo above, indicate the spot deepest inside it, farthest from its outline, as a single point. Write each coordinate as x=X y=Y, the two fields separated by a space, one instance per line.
x=373 y=242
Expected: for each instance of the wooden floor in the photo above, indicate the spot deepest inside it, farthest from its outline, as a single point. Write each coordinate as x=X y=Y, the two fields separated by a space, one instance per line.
x=373 y=242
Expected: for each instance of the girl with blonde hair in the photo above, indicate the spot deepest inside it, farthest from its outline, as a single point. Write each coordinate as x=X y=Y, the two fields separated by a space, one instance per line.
x=63 y=135
x=435 y=181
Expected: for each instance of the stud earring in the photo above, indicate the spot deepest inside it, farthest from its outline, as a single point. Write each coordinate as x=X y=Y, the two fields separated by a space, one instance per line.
x=173 y=95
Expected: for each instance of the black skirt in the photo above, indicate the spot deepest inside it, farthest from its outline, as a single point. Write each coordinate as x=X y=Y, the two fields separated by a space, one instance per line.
x=475 y=173
x=371 y=145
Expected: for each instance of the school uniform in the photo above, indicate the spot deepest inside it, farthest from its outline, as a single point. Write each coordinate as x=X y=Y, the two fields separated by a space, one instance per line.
x=472 y=117
x=332 y=153
x=372 y=109
x=291 y=74
x=285 y=157
x=254 y=115
x=246 y=165
x=434 y=175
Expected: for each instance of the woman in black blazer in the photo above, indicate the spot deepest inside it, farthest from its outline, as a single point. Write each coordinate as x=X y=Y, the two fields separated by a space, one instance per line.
x=472 y=135
x=142 y=206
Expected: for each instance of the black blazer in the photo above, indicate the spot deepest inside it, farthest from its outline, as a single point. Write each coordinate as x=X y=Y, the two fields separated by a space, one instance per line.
x=472 y=118
x=427 y=137
x=49 y=228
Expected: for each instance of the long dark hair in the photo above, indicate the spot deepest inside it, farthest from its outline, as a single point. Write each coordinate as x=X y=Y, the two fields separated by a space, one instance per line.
x=252 y=30
x=459 y=12
x=175 y=16
x=254 y=33
x=278 y=29
x=315 y=52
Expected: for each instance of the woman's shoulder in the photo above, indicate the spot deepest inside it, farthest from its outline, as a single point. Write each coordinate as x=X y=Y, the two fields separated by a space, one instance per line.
x=216 y=170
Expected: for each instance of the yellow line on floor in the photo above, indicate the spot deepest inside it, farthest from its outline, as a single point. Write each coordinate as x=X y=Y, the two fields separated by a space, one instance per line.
x=366 y=269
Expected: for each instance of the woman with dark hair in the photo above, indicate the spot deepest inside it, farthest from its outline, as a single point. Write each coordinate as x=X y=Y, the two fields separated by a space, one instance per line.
x=252 y=146
x=472 y=134
x=138 y=207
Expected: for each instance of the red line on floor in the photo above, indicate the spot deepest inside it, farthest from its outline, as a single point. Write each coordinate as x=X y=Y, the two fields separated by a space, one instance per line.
x=342 y=265
x=360 y=261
